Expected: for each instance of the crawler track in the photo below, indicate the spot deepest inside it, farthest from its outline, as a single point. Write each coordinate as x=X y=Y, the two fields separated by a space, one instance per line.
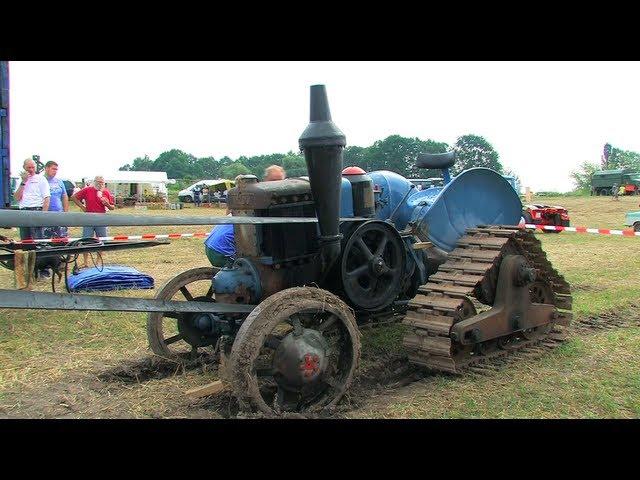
x=466 y=283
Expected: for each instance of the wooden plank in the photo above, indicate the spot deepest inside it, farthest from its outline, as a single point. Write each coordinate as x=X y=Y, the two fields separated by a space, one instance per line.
x=437 y=324
x=447 y=288
x=421 y=245
x=443 y=303
x=476 y=254
x=564 y=301
x=472 y=267
x=459 y=278
x=212 y=388
x=492 y=242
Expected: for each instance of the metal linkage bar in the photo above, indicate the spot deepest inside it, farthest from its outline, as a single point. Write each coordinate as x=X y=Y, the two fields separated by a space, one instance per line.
x=71 y=301
x=57 y=250
x=32 y=218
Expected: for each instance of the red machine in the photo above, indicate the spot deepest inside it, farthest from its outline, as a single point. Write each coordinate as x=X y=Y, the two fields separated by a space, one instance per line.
x=545 y=215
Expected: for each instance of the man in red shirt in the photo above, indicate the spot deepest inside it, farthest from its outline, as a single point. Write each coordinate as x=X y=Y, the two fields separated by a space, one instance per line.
x=97 y=199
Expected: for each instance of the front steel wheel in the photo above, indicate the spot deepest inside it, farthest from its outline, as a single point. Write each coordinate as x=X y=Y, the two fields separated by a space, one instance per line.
x=297 y=351
x=175 y=335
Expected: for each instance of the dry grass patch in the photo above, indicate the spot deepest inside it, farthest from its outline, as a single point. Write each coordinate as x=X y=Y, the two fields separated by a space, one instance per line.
x=49 y=359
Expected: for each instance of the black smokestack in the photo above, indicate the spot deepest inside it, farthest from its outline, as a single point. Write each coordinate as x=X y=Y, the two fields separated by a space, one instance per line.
x=322 y=143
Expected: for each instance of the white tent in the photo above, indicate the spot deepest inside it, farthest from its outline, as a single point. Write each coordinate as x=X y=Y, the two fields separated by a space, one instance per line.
x=134 y=184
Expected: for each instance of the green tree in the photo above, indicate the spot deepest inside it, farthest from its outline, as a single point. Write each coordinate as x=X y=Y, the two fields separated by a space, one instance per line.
x=399 y=154
x=294 y=165
x=623 y=159
x=176 y=163
x=475 y=151
x=206 y=167
x=356 y=156
x=140 y=164
x=581 y=177
x=233 y=169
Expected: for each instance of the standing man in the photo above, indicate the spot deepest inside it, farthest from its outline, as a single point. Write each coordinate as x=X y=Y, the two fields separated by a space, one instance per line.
x=205 y=194
x=97 y=199
x=196 y=196
x=32 y=194
x=59 y=201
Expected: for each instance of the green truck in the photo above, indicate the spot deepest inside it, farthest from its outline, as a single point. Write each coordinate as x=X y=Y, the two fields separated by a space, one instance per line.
x=603 y=181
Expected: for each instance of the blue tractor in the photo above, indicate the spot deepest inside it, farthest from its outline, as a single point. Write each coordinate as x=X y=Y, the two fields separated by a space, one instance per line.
x=438 y=256
x=317 y=256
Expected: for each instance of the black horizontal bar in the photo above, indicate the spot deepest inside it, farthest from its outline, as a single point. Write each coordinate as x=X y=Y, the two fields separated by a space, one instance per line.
x=35 y=218
x=57 y=250
x=21 y=299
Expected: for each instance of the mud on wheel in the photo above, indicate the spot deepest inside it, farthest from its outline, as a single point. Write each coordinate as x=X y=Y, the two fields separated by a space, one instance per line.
x=296 y=352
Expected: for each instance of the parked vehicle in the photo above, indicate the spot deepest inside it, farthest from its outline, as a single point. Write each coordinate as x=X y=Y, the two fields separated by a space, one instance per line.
x=219 y=185
x=603 y=181
x=537 y=214
x=632 y=219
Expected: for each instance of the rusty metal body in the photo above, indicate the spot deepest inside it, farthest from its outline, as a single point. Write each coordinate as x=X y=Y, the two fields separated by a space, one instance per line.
x=405 y=253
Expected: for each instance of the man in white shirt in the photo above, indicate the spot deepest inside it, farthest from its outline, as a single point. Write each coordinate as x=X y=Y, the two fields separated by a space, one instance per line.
x=32 y=194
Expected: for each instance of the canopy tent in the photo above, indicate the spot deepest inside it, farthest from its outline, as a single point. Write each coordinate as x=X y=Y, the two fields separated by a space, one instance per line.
x=126 y=184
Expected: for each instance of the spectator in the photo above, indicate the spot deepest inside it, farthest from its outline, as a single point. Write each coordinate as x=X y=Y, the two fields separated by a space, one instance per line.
x=196 y=195
x=59 y=201
x=32 y=194
x=220 y=245
x=614 y=191
x=274 y=172
x=205 y=195
x=97 y=199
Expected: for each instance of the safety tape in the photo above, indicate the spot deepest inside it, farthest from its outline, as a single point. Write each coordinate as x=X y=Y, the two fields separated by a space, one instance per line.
x=150 y=236
x=627 y=232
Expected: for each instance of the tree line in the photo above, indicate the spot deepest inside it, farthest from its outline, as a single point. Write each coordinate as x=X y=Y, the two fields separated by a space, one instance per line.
x=618 y=158
x=395 y=153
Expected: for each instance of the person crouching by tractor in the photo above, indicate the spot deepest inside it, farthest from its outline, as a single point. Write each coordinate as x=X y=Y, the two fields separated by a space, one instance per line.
x=220 y=245
x=97 y=199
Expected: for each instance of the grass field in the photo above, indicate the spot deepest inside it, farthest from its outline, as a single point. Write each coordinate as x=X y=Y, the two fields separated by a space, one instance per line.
x=88 y=364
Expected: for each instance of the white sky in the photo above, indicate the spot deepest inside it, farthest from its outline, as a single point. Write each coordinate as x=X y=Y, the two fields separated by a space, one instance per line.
x=544 y=118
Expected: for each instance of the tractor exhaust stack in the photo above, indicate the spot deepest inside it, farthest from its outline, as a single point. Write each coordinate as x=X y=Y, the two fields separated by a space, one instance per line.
x=322 y=143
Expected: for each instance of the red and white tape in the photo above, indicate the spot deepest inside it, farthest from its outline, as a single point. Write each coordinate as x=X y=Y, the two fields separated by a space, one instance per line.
x=628 y=232
x=149 y=236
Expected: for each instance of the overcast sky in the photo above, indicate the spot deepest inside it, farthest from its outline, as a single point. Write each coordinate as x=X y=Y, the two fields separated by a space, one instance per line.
x=543 y=118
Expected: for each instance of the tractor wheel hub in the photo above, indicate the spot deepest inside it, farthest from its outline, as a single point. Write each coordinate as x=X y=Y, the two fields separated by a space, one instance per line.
x=300 y=359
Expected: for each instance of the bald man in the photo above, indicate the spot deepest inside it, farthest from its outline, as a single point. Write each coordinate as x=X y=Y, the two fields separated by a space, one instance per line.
x=274 y=172
x=33 y=193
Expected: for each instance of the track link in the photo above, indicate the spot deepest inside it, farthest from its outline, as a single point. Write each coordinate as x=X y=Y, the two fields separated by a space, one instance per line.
x=466 y=283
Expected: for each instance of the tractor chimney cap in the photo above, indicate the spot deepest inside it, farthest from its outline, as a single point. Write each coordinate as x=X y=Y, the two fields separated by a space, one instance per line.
x=321 y=131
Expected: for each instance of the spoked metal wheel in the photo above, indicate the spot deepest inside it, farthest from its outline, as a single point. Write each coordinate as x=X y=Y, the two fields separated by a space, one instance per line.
x=372 y=265
x=296 y=352
x=176 y=335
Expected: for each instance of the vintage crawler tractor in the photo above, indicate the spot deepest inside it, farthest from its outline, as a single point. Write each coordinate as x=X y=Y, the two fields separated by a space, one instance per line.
x=315 y=255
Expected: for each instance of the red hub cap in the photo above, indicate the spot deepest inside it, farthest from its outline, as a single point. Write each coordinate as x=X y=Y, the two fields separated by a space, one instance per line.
x=310 y=365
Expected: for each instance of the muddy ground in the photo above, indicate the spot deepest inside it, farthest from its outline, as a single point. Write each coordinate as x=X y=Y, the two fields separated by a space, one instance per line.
x=148 y=387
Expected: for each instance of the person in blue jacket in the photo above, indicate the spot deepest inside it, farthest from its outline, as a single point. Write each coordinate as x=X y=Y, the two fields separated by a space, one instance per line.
x=220 y=245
